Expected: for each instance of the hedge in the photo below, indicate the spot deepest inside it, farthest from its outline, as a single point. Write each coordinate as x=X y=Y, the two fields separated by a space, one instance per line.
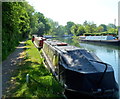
x=98 y=34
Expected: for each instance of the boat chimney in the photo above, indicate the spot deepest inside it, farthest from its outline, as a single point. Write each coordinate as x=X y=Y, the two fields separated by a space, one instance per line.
x=119 y=20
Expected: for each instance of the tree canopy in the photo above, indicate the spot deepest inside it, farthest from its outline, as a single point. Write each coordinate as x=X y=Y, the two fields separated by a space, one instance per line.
x=19 y=20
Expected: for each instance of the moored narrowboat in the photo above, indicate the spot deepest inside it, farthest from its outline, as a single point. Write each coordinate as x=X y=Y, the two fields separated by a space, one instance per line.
x=79 y=71
x=101 y=39
x=38 y=41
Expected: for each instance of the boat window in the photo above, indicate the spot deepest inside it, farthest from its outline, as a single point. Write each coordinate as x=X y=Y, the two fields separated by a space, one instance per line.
x=55 y=60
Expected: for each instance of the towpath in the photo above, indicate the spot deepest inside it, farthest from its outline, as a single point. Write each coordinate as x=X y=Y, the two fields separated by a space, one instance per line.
x=9 y=66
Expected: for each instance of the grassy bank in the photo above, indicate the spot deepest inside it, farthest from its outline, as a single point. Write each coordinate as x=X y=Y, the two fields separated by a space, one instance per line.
x=42 y=84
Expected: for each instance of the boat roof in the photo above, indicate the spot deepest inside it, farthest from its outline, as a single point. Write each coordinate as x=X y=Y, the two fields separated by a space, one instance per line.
x=79 y=59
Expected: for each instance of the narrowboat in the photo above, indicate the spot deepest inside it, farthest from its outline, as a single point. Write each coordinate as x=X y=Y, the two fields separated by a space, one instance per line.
x=80 y=72
x=38 y=41
x=101 y=39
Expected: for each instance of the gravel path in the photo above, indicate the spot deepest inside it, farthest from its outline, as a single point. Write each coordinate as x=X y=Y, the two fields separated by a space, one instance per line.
x=9 y=66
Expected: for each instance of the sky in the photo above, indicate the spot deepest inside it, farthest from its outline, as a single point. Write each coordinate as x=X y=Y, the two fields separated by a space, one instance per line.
x=77 y=11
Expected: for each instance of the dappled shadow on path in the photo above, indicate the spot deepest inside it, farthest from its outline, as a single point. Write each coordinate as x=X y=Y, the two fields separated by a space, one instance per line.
x=16 y=85
x=19 y=78
x=10 y=65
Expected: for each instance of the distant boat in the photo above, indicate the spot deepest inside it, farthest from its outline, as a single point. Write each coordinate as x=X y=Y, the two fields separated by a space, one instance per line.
x=101 y=39
x=79 y=71
x=38 y=41
x=48 y=36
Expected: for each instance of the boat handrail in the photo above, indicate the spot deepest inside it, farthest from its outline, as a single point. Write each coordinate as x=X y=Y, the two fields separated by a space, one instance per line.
x=104 y=70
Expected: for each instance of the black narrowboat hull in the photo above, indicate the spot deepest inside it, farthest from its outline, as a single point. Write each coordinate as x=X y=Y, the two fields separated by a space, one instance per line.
x=78 y=85
x=73 y=94
x=87 y=83
x=73 y=83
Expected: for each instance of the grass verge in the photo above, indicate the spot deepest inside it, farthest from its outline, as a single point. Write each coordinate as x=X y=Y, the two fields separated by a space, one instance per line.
x=45 y=87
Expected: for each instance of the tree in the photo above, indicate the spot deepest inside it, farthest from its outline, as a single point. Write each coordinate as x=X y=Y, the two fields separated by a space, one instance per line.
x=60 y=30
x=90 y=27
x=74 y=29
x=111 y=28
x=68 y=27
x=15 y=25
x=111 y=25
x=19 y=20
x=104 y=27
x=85 y=23
x=100 y=29
x=81 y=30
x=43 y=26
x=53 y=27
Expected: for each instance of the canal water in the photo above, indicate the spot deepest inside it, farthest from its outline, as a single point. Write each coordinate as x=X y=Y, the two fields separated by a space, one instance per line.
x=107 y=53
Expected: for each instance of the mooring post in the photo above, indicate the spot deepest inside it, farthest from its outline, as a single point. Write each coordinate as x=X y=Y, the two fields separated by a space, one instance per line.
x=27 y=78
